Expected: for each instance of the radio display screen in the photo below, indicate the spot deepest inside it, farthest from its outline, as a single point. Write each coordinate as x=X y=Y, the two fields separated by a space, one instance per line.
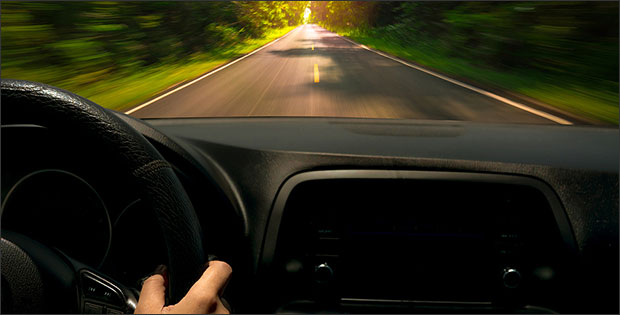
x=420 y=240
x=414 y=253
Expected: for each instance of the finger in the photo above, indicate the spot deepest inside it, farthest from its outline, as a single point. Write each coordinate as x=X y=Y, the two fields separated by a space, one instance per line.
x=204 y=294
x=213 y=280
x=153 y=295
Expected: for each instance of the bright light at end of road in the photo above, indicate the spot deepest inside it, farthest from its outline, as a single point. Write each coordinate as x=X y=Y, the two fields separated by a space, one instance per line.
x=307 y=15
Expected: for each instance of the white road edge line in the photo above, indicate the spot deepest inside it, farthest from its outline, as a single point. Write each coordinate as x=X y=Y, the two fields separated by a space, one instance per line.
x=473 y=88
x=208 y=74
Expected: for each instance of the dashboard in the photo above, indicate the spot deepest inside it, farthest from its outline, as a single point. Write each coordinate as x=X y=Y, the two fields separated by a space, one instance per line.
x=348 y=215
x=364 y=236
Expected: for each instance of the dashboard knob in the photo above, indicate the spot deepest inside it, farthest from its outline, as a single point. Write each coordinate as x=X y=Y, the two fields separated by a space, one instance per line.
x=323 y=273
x=511 y=278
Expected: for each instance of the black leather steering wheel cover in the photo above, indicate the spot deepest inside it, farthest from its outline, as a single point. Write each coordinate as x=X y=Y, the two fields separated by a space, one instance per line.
x=57 y=109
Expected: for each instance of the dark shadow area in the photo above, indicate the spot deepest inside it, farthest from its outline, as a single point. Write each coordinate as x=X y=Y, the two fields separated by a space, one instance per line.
x=317 y=52
x=364 y=82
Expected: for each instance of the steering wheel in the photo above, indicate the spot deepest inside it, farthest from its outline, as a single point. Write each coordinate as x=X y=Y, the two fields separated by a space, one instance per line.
x=39 y=279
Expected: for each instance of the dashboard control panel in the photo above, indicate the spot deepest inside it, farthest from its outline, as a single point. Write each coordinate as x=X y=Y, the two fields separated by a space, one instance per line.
x=428 y=238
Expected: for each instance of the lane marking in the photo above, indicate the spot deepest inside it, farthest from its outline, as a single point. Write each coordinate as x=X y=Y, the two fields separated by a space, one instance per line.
x=209 y=73
x=316 y=73
x=469 y=87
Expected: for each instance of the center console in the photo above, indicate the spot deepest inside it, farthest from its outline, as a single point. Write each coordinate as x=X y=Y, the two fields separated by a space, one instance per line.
x=392 y=241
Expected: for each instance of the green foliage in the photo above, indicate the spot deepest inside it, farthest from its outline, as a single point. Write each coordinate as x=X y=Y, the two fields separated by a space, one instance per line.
x=98 y=48
x=558 y=48
x=342 y=14
x=83 y=37
x=256 y=17
x=562 y=53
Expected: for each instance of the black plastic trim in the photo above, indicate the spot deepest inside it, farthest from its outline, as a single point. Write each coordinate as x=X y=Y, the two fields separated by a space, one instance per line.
x=275 y=218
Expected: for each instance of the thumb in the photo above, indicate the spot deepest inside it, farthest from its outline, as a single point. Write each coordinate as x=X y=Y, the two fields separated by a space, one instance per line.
x=204 y=296
x=153 y=294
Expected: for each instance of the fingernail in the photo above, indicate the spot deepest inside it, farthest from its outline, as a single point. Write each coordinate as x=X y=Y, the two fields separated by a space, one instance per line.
x=161 y=270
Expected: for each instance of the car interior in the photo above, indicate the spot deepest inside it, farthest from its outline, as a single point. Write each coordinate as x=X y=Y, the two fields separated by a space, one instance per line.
x=315 y=215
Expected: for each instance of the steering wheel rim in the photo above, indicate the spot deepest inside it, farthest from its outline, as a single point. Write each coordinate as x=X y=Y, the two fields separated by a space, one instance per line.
x=158 y=186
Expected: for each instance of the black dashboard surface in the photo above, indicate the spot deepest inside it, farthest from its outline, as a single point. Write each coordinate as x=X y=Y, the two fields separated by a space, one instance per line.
x=251 y=159
x=236 y=169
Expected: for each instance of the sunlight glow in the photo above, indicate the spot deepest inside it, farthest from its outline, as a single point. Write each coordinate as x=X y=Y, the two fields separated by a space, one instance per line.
x=307 y=15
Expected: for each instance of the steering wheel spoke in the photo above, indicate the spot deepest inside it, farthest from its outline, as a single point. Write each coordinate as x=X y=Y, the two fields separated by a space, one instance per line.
x=54 y=278
x=100 y=294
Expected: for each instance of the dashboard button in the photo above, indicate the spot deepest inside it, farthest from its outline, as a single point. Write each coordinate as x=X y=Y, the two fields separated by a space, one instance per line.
x=101 y=290
x=92 y=308
x=92 y=288
x=511 y=278
x=323 y=273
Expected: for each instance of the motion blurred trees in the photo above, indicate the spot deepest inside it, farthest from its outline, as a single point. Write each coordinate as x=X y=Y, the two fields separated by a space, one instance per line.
x=578 y=39
x=573 y=39
x=257 y=16
x=89 y=39
x=343 y=14
x=568 y=45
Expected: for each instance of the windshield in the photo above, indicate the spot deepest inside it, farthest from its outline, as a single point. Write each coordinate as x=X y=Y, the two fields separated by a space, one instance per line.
x=495 y=62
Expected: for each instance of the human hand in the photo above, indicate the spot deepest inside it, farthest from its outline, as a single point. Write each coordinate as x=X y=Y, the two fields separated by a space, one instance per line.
x=202 y=298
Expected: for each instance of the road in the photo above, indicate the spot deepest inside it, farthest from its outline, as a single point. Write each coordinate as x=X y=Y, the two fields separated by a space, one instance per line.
x=314 y=72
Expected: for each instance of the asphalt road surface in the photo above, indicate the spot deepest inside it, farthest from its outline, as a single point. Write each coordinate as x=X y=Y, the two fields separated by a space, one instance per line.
x=314 y=72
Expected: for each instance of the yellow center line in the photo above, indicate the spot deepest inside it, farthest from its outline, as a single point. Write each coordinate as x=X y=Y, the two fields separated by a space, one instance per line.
x=316 y=73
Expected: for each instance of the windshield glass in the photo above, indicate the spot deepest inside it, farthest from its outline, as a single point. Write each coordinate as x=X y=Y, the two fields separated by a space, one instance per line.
x=497 y=62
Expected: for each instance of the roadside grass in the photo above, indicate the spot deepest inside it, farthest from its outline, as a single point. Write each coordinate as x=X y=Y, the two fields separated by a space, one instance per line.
x=124 y=90
x=596 y=101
